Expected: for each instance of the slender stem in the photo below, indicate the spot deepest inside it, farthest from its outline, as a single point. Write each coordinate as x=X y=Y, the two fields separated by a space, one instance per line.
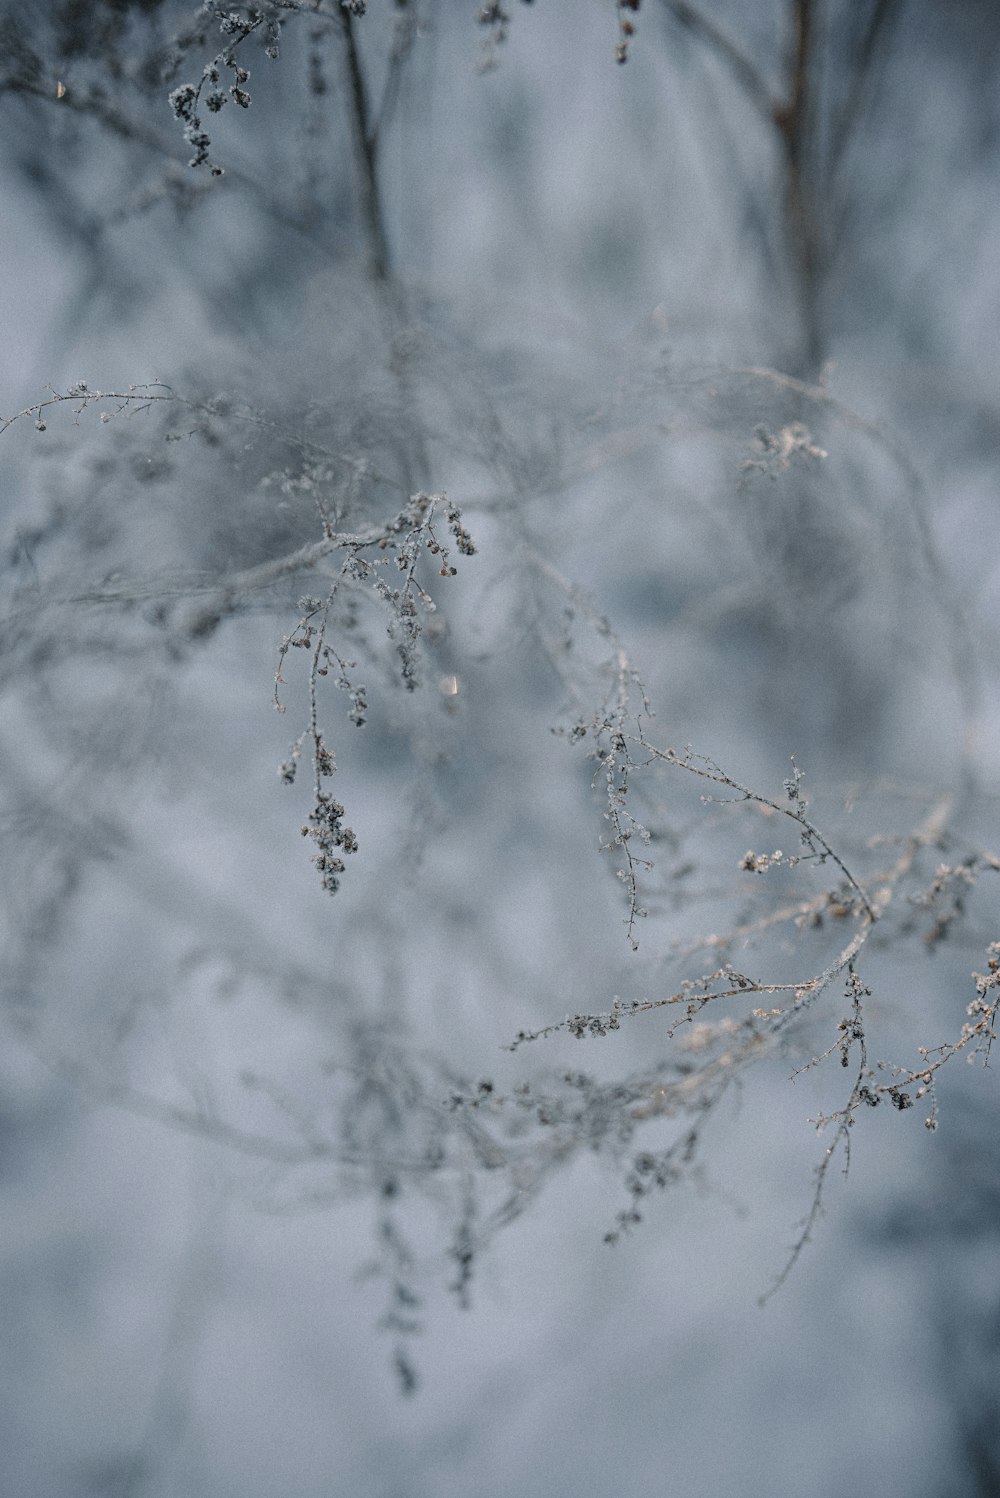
x=802 y=234
x=751 y=81
x=878 y=21
x=709 y=771
x=366 y=153
x=411 y=444
x=793 y=119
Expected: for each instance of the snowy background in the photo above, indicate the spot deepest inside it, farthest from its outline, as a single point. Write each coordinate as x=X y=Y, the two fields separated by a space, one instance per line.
x=594 y=296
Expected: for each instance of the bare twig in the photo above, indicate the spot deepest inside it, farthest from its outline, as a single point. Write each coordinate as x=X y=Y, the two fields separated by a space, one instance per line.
x=751 y=81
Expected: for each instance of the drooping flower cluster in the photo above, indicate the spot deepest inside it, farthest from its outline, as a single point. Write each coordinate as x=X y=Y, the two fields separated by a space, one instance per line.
x=404 y=540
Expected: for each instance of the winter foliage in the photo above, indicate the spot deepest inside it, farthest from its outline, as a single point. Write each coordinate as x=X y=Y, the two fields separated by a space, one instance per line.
x=499 y=680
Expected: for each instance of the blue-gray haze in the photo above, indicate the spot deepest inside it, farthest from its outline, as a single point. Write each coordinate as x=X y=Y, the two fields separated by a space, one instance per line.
x=757 y=434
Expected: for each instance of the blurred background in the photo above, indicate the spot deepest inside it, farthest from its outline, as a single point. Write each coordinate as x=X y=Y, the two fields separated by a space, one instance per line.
x=703 y=344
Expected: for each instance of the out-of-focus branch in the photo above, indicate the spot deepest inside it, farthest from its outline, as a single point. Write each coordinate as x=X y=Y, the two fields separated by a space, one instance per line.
x=364 y=132
x=880 y=18
x=803 y=192
x=742 y=68
x=406 y=30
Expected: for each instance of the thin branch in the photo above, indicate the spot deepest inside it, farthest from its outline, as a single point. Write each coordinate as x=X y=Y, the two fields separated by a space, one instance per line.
x=880 y=17
x=365 y=135
x=752 y=82
x=131 y=129
x=707 y=770
x=803 y=194
x=405 y=31
x=962 y=639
